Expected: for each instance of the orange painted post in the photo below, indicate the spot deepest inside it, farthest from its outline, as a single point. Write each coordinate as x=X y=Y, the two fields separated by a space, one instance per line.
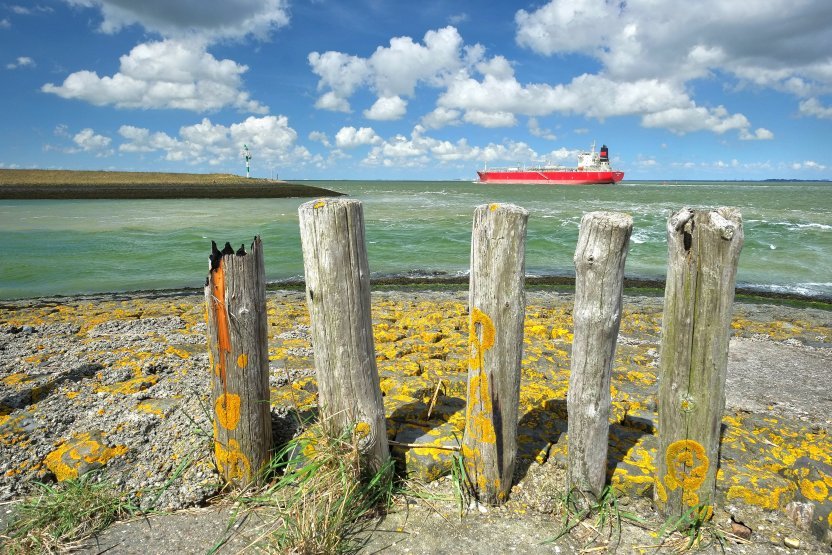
x=703 y=251
x=235 y=298
x=497 y=305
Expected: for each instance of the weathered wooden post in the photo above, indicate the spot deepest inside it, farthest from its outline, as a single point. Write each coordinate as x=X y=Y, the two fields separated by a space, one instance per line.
x=703 y=251
x=338 y=296
x=603 y=241
x=497 y=305
x=235 y=298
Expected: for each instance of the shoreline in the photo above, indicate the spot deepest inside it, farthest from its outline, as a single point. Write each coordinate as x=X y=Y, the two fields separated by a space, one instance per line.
x=632 y=287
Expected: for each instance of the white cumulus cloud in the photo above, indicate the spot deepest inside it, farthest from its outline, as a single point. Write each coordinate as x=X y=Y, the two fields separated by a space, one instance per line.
x=164 y=74
x=441 y=117
x=776 y=44
x=808 y=165
x=759 y=134
x=573 y=26
x=21 y=61
x=208 y=20
x=88 y=140
x=490 y=118
x=320 y=136
x=84 y=141
x=486 y=92
x=420 y=150
x=176 y=72
x=813 y=107
x=392 y=72
x=350 y=137
x=387 y=108
x=537 y=131
x=270 y=139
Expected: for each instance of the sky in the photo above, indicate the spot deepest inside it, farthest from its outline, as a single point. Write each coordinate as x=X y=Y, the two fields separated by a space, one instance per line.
x=427 y=90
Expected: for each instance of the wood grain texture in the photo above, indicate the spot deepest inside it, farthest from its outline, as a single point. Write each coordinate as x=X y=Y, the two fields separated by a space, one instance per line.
x=603 y=241
x=338 y=296
x=703 y=251
x=235 y=298
x=497 y=304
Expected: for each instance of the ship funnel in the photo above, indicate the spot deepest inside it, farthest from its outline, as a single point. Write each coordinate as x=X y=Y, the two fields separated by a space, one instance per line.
x=604 y=155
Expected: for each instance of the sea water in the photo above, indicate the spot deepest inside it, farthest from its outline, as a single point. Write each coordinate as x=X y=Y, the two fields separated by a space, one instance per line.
x=413 y=229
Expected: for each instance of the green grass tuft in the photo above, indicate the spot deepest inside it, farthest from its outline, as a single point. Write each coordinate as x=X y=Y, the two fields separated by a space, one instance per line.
x=578 y=507
x=693 y=530
x=62 y=516
x=323 y=494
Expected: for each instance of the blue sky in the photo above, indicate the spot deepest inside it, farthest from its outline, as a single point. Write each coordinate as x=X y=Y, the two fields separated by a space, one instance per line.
x=382 y=89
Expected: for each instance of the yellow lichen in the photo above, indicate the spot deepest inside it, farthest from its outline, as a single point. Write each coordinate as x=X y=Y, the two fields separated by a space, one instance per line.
x=181 y=353
x=65 y=461
x=242 y=361
x=482 y=341
x=231 y=462
x=687 y=466
x=814 y=490
x=362 y=430
x=766 y=499
x=227 y=408
x=561 y=333
x=660 y=491
x=16 y=379
x=150 y=408
x=133 y=385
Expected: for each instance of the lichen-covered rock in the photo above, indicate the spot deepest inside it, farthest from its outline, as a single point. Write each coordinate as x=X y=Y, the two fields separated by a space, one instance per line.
x=433 y=460
x=813 y=494
x=82 y=453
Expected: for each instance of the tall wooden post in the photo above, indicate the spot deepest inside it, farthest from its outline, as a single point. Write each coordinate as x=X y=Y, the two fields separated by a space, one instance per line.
x=235 y=298
x=603 y=241
x=497 y=305
x=703 y=251
x=338 y=296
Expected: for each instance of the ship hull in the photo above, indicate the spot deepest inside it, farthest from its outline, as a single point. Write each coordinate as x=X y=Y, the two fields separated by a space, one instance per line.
x=551 y=177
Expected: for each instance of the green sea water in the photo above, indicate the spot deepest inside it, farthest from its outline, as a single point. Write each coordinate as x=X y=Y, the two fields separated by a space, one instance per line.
x=418 y=228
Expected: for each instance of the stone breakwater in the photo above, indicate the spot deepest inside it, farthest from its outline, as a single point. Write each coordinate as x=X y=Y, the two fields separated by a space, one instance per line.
x=120 y=383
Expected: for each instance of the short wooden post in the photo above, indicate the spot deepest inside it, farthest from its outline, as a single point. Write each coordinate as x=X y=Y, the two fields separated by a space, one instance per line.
x=603 y=240
x=497 y=305
x=703 y=251
x=235 y=298
x=338 y=296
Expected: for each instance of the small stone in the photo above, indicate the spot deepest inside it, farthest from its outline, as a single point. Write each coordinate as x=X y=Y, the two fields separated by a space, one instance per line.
x=801 y=513
x=740 y=530
x=790 y=542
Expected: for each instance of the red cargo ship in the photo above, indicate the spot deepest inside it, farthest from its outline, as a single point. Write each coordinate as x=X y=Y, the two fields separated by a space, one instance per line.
x=593 y=169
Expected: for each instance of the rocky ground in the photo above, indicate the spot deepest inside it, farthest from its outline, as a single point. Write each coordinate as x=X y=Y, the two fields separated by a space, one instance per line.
x=120 y=383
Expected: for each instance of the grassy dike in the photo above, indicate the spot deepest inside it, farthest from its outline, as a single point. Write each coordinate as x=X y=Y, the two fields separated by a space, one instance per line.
x=66 y=184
